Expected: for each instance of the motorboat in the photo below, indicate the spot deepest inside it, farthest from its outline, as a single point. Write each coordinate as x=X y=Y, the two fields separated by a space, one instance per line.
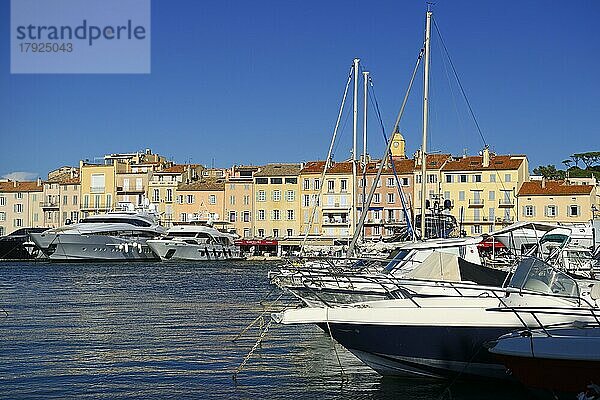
x=114 y=236
x=16 y=245
x=442 y=334
x=322 y=282
x=195 y=242
x=556 y=359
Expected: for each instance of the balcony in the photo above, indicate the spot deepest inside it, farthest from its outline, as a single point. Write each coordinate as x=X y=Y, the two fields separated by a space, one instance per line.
x=130 y=190
x=374 y=221
x=46 y=205
x=97 y=189
x=505 y=221
x=335 y=206
x=335 y=222
x=475 y=203
x=394 y=221
x=506 y=203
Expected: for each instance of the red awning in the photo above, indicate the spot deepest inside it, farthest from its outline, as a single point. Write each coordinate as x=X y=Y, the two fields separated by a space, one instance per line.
x=488 y=244
x=248 y=242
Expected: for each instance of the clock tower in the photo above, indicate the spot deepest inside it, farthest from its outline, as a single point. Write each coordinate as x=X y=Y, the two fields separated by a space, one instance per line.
x=398 y=145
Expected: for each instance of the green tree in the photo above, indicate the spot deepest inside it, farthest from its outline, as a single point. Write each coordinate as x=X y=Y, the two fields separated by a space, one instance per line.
x=549 y=172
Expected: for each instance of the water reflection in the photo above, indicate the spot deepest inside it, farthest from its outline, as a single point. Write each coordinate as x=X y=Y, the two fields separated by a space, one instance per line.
x=159 y=330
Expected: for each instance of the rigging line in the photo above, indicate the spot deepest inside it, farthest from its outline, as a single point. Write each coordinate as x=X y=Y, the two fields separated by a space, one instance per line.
x=363 y=215
x=459 y=82
x=327 y=161
x=393 y=165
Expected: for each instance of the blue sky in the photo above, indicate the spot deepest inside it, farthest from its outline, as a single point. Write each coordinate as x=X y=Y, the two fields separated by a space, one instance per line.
x=255 y=82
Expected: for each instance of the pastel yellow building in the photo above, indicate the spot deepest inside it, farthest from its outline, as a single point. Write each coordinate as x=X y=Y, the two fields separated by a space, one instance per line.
x=556 y=201
x=277 y=201
x=98 y=188
x=482 y=189
x=202 y=200
x=239 y=195
x=435 y=163
x=20 y=205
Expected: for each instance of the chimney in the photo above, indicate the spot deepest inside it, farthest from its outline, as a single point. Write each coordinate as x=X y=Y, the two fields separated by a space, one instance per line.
x=543 y=182
x=14 y=183
x=417 y=156
x=39 y=181
x=486 y=156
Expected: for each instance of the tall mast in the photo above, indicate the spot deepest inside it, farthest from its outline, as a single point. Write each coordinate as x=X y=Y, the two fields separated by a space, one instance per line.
x=354 y=152
x=425 y=118
x=364 y=159
x=365 y=103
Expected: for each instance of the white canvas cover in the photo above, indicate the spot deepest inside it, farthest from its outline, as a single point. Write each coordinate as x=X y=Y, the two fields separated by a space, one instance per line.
x=437 y=266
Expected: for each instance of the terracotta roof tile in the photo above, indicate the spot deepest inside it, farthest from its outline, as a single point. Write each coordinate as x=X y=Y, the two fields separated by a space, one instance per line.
x=14 y=186
x=278 y=170
x=316 y=167
x=475 y=163
x=553 y=188
x=64 y=179
x=206 y=184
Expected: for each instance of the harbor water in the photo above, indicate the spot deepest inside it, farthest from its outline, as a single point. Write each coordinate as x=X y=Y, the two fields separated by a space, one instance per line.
x=167 y=330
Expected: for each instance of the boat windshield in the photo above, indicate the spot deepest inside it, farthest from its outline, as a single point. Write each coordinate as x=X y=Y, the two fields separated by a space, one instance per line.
x=401 y=255
x=109 y=220
x=536 y=275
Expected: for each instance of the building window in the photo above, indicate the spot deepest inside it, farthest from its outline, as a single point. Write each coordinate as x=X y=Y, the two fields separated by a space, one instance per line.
x=75 y=200
x=306 y=184
x=528 y=211
x=573 y=210
x=390 y=182
x=551 y=211
x=232 y=200
x=169 y=198
x=507 y=178
x=2 y=233
x=18 y=222
x=261 y=195
x=190 y=199
x=306 y=200
x=18 y=196
x=317 y=184
x=262 y=181
x=461 y=195
x=246 y=216
x=276 y=181
x=377 y=198
x=246 y=199
x=276 y=215
x=492 y=178
x=330 y=186
x=2 y=216
x=376 y=230
x=276 y=233
x=65 y=200
x=431 y=178
x=290 y=195
x=276 y=195
x=212 y=199
x=183 y=217
x=74 y=216
x=476 y=215
x=18 y=208
x=390 y=197
x=290 y=215
x=290 y=232
x=476 y=229
x=291 y=181
x=109 y=201
x=246 y=232
x=231 y=216
x=261 y=215
x=492 y=195
x=2 y=201
x=97 y=183
x=261 y=233
x=477 y=178
x=492 y=214
x=463 y=178
x=449 y=178
x=344 y=185
x=155 y=195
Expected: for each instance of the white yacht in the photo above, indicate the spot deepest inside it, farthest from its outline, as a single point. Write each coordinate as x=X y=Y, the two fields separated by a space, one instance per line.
x=196 y=242
x=114 y=236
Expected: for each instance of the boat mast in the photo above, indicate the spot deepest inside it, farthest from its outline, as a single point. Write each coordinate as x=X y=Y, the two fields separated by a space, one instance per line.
x=425 y=118
x=354 y=153
x=364 y=158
